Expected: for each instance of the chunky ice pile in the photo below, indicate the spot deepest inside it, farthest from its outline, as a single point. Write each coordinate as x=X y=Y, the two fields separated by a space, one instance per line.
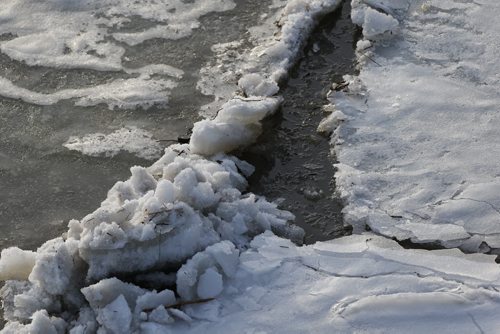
x=261 y=59
x=418 y=145
x=153 y=222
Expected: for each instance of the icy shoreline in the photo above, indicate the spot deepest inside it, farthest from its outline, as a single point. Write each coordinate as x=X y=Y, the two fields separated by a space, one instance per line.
x=187 y=212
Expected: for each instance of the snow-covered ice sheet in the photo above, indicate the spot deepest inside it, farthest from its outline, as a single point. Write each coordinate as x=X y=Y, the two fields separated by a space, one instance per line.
x=418 y=143
x=356 y=284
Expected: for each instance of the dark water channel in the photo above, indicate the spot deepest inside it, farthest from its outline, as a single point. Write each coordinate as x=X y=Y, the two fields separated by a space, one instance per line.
x=293 y=161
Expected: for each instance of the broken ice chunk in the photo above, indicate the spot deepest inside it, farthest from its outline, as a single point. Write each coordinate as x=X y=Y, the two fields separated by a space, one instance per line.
x=16 y=264
x=209 y=284
x=116 y=316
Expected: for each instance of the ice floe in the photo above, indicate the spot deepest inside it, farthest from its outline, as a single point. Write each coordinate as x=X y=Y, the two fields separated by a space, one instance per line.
x=128 y=139
x=132 y=93
x=76 y=34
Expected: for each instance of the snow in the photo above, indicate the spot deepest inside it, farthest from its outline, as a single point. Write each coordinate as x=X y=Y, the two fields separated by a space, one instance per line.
x=115 y=317
x=362 y=283
x=129 y=139
x=189 y=214
x=418 y=149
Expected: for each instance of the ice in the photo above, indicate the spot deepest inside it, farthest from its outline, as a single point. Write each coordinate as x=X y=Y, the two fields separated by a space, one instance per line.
x=360 y=282
x=202 y=276
x=159 y=218
x=168 y=213
x=331 y=122
x=115 y=317
x=121 y=93
x=255 y=85
x=129 y=139
x=41 y=323
x=89 y=35
x=376 y=23
x=16 y=264
x=236 y=124
x=417 y=150
x=154 y=301
x=209 y=284
x=259 y=61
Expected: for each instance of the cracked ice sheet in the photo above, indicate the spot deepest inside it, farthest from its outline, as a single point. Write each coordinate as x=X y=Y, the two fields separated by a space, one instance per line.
x=356 y=284
x=419 y=152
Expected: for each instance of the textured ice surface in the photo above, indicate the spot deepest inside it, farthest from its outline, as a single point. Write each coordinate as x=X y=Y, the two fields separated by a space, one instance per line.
x=131 y=139
x=122 y=93
x=362 y=283
x=418 y=151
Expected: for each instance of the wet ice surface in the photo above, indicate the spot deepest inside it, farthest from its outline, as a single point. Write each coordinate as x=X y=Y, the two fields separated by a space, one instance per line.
x=293 y=161
x=43 y=183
